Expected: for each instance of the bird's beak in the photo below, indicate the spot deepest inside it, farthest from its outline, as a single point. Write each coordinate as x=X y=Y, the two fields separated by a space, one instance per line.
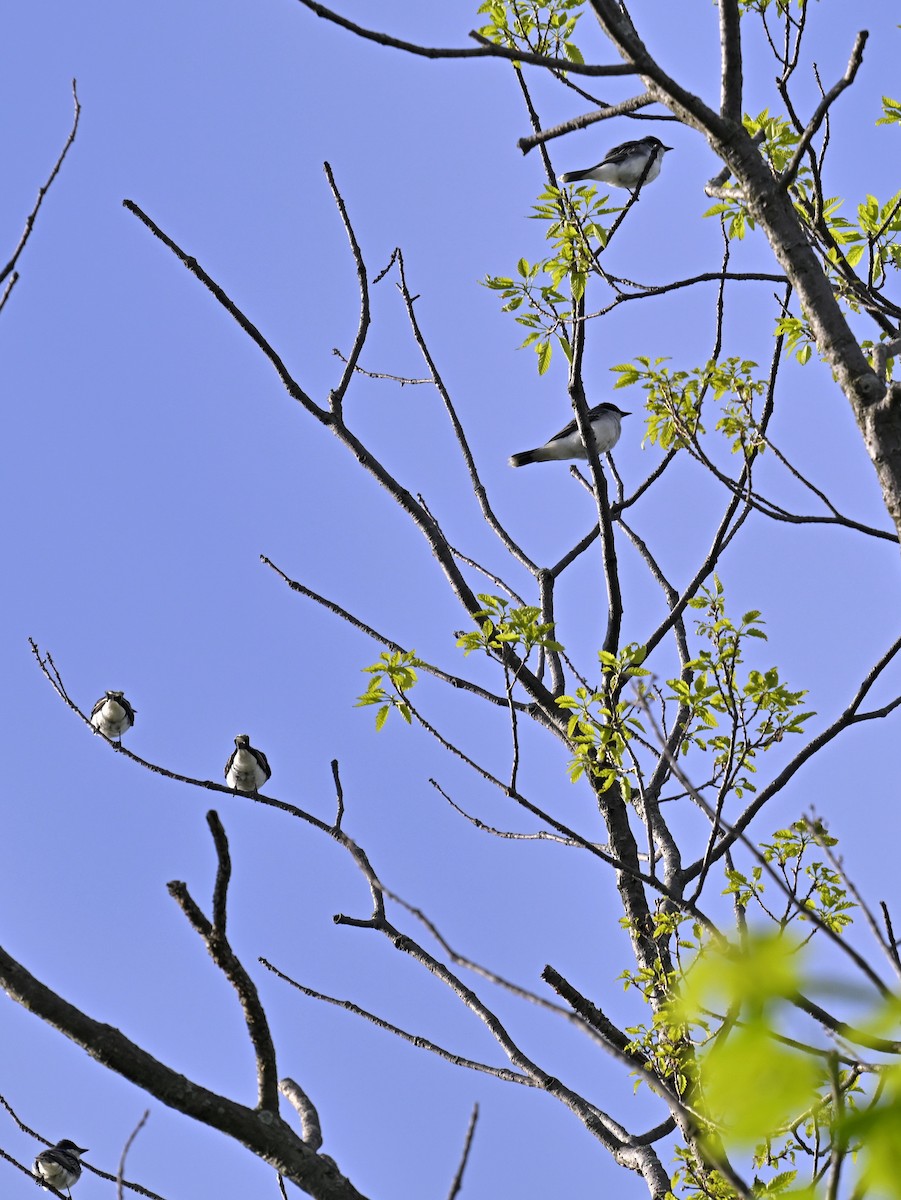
x=668 y=147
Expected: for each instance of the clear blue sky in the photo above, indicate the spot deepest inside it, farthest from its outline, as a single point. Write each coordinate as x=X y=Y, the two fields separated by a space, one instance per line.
x=152 y=456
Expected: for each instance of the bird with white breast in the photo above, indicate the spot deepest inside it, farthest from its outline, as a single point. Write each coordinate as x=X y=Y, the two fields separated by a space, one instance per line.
x=59 y=1165
x=604 y=422
x=624 y=165
x=248 y=768
x=112 y=715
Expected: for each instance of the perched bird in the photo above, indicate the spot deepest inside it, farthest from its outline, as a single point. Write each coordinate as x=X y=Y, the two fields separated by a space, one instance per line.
x=247 y=769
x=112 y=714
x=604 y=420
x=624 y=165
x=59 y=1166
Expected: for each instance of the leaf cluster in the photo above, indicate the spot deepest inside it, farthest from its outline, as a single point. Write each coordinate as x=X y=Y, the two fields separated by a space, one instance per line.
x=392 y=677
x=539 y=26
x=577 y=237
x=602 y=724
x=759 y=710
x=503 y=625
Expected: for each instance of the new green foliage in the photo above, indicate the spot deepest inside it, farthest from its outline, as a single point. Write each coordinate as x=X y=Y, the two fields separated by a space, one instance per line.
x=392 y=677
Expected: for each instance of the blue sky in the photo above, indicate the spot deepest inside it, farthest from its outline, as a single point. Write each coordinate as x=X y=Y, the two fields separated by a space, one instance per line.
x=153 y=456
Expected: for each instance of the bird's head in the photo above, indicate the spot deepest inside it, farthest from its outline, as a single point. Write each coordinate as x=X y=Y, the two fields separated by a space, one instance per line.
x=657 y=144
x=242 y=741
x=66 y=1144
x=115 y=695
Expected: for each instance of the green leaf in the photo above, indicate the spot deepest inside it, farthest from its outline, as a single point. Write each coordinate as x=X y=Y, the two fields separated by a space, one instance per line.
x=751 y=1085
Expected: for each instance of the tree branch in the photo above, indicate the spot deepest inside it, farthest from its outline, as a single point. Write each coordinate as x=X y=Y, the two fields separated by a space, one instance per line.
x=486 y=49
x=457 y=1183
x=264 y=1134
x=32 y=216
x=819 y=113
x=229 y=964
x=540 y=137
x=730 y=53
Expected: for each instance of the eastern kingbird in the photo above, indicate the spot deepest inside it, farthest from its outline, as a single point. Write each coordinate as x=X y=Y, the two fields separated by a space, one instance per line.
x=623 y=165
x=59 y=1166
x=247 y=769
x=604 y=420
x=112 y=714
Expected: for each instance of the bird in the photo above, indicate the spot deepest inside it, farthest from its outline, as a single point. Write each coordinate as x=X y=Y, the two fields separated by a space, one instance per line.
x=247 y=768
x=624 y=165
x=604 y=420
x=59 y=1166
x=112 y=715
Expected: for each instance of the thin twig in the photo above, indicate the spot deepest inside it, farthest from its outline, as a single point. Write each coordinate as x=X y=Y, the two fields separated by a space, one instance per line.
x=120 y=1174
x=414 y=1039
x=32 y=216
x=455 y=681
x=464 y=1158
x=822 y=109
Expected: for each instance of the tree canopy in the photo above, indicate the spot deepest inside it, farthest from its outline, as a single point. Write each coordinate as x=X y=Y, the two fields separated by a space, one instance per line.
x=576 y=769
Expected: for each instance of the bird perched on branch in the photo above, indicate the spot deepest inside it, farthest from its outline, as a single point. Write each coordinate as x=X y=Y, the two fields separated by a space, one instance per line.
x=112 y=714
x=604 y=420
x=59 y=1166
x=624 y=165
x=248 y=768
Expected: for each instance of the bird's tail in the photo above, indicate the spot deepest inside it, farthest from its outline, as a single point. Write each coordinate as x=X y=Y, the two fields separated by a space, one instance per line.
x=527 y=456
x=573 y=176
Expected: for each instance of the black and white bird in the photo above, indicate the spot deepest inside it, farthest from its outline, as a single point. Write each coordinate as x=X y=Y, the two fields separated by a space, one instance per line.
x=59 y=1166
x=604 y=420
x=624 y=165
x=248 y=768
x=112 y=714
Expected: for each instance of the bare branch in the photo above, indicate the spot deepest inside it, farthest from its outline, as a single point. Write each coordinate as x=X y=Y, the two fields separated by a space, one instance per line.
x=310 y=1127
x=228 y=962
x=339 y=794
x=478 y=487
x=272 y=1140
x=455 y=681
x=336 y=399
x=403 y=380
x=422 y=1043
x=730 y=51
x=486 y=49
x=7 y=291
x=467 y=1146
x=575 y=123
x=120 y=1175
x=788 y=175
x=32 y=216
x=295 y=391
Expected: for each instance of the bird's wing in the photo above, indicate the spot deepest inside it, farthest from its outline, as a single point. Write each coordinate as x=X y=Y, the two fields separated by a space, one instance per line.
x=593 y=414
x=261 y=758
x=564 y=432
x=620 y=153
x=55 y=1156
x=231 y=759
x=97 y=707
